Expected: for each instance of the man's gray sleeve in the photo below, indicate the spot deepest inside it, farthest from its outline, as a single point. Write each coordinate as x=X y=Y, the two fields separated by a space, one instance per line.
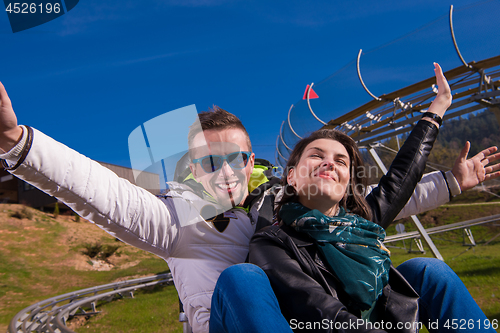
x=431 y=192
x=96 y=193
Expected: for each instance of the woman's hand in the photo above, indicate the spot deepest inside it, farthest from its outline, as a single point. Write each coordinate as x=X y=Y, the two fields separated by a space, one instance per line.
x=443 y=99
x=10 y=132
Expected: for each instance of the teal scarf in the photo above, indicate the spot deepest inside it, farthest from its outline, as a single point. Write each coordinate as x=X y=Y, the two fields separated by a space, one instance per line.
x=352 y=247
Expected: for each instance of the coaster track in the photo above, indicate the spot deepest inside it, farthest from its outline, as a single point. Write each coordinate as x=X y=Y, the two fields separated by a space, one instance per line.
x=52 y=314
x=474 y=88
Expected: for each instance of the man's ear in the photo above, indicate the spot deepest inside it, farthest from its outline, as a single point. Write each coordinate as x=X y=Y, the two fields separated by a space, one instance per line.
x=192 y=167
x=252 y=161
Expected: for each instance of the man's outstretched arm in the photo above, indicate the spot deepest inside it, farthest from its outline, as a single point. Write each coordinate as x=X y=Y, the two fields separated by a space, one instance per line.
x=437 y=188
x=93 y=191
x=473 y=171
x=10 y=131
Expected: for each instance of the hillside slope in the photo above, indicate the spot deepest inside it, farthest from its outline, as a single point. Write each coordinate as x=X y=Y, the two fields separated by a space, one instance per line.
x=43 y=256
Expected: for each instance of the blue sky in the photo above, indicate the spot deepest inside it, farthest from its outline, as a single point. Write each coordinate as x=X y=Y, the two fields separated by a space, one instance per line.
x=90 y=77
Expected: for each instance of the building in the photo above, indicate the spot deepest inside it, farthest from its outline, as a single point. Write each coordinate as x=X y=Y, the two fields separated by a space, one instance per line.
x=14 y=190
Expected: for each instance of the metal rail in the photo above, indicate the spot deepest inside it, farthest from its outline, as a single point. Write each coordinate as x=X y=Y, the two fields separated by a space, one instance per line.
x=443 y=228
x=454 y=40
x=309 y=104
x=51 y=315
x=361 y=79
x=391 y=119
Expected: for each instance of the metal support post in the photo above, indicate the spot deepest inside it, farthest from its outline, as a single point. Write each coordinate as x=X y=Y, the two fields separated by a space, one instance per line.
x=468 y=233
x=415 y=219
x=420 y=247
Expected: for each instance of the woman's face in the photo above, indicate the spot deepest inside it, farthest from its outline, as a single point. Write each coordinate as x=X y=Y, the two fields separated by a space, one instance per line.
x=322 y=175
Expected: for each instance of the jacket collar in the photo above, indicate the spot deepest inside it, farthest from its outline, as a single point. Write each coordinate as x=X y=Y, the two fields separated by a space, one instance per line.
x=300 y=239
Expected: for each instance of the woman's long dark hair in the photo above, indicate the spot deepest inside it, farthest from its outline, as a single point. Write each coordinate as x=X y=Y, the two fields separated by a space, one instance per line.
x=354 y=199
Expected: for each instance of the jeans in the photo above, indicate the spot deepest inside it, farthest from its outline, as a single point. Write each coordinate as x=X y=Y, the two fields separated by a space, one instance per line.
x=444 y=299
x=243 y=301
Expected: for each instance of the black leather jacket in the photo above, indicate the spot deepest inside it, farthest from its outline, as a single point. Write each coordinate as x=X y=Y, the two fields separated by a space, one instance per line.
x=308 y=293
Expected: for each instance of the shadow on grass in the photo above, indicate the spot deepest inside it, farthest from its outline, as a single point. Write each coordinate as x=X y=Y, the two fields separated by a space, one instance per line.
x=156 y=288
x=495 y=316
x=153 y=289
x=487 y=271
x=163 y=272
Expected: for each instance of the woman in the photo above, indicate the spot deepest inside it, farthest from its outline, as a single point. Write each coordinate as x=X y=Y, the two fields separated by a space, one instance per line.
x=326 y=262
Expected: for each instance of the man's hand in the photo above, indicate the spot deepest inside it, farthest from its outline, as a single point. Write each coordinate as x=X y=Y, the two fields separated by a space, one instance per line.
x=473 y=171
x=10 y=132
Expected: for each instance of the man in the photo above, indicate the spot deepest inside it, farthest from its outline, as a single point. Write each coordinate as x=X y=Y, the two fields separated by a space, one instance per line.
x=197 y=250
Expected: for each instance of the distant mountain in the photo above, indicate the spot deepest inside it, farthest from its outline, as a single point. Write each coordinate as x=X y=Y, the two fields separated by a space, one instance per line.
x=481 y=129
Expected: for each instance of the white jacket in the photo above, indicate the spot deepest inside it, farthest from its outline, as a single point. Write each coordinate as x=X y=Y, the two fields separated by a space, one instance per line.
x=196 y=253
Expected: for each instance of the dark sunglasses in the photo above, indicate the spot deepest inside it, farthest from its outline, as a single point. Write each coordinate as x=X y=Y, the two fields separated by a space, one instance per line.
x=211 y=163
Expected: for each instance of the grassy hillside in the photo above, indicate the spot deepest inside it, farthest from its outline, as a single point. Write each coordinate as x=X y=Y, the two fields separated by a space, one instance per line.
x=43 y=257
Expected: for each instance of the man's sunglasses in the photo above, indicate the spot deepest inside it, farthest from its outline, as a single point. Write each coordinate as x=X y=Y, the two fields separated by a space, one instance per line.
x=211 y=163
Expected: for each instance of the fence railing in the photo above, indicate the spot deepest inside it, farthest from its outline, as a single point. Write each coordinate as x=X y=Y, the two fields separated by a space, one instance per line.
x=51 y=315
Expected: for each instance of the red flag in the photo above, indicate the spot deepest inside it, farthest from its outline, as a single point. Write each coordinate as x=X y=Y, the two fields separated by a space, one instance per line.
x=311 y=95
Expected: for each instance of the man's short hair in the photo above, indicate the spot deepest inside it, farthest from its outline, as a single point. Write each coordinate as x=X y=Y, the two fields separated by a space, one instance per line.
x=216 y=118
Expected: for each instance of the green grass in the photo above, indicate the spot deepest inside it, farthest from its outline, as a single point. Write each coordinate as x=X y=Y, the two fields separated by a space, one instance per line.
x=149 y=311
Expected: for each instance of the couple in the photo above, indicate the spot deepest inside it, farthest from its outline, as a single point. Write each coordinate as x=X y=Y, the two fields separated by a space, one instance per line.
x=196 y=252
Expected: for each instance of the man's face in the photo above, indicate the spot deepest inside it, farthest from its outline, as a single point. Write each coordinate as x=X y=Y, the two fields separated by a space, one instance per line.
x=229 y=183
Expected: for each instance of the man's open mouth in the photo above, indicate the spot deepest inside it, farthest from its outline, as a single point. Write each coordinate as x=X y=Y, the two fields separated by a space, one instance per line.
x=228 y=186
